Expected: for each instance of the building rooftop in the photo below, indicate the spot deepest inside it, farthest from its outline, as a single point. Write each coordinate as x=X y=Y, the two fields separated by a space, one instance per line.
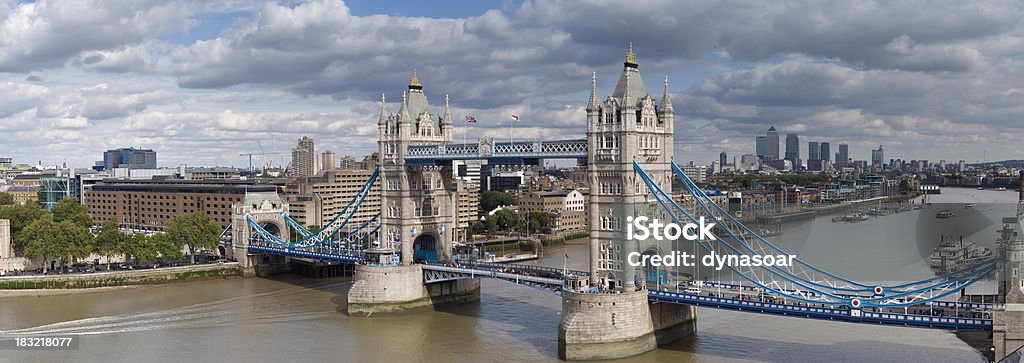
x=185 y=186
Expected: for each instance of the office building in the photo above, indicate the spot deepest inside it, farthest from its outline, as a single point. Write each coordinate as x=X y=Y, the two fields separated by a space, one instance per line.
x=824 y=151
x=327 y=161
x=876 y=158
x=793 y=150
x=813 y=151
x=303 y=159
x=149 y=203
x=723 y=159
x=760 y=147
x=697 y=173
x=844 y=156
x=130 y=158
x=347 y=163
x=772 y=144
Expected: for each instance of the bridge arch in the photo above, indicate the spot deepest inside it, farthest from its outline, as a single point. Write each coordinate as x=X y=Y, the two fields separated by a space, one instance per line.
x=653 y=275
x=425 y=247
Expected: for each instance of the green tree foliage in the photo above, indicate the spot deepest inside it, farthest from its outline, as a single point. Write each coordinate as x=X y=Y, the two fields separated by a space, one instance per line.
x=138 y=248
x=74 y=241
x=21 y=216
x=110 y=241
x=506 y=220
x=194 y=231
x=65 y=241
x=68 y=209
x=493 y=199
x=538 y=220
x=148 y=249
x=6 y=199
x=40 y=241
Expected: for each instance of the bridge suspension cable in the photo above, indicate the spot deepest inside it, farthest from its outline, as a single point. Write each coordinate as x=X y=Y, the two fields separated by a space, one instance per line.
x=823 y=290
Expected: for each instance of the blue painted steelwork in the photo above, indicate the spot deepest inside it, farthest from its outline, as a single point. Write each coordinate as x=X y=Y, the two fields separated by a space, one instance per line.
x=848 y=315
x=560 y=149
x=771 y=280
x=334 y=256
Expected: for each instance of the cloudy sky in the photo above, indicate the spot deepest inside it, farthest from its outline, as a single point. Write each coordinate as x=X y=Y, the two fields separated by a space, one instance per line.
x=202 y=81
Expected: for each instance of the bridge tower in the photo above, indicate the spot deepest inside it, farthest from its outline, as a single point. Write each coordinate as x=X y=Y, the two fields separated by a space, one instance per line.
x=418 y=202
x=629 y=125
x=1008 y=312
x=267 y=209
x=418 y=213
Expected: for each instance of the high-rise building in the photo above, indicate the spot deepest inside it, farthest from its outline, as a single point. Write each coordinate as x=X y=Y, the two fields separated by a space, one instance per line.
x=824 y=151
x=760 y=147
x=876 y=158
x=327 y=161
x=793 y=149
x=722 y=159
x=844 y=156
x=812 y=151
x=131 y=158
x=772 y=144
x=348 y=162
x=303 y=163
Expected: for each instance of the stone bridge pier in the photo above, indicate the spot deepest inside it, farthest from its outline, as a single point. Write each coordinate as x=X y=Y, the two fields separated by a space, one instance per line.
x=390 y=289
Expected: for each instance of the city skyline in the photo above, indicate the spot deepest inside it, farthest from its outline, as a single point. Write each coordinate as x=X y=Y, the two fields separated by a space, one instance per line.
x=182 y=80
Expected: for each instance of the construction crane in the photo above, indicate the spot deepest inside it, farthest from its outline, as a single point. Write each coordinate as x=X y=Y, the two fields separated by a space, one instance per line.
x=261 y=153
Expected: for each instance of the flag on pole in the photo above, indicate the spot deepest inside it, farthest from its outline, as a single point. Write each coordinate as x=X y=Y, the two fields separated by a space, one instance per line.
x=515 y=117
x=470 y=119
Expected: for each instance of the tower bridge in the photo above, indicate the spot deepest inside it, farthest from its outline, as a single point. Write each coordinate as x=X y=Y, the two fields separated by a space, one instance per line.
x=403 y=257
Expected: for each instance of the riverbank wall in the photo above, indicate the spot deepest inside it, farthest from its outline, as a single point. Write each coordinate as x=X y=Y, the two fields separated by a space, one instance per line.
x=120 y=278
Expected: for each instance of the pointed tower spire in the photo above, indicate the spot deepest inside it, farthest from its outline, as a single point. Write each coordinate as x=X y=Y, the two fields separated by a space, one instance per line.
x=592 y=103
x=403 y=113
x=383 y=102
x=666 y=102
x=447 y=113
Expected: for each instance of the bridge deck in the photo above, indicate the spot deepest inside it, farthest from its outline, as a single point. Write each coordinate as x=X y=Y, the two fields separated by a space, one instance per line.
x=847 y=315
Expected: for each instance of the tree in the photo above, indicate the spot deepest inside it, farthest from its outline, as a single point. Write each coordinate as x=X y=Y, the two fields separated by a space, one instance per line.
x=506 y=219
x=21 y=216
x=139 y=248
x=74 y=242
x=68 y=209
x=493 y=199
x=40 y=241
x=148 y=249
x=538 y=220
x=110 y=241
x=194 y=231
x=6 y=199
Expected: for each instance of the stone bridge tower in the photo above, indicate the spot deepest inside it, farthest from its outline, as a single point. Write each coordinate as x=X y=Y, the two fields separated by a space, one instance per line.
x=267 y=209
x=1008 y=313
x=418 y=202
x=627 y=126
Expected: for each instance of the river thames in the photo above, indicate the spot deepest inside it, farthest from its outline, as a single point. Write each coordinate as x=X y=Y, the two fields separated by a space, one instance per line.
x=290 y=318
